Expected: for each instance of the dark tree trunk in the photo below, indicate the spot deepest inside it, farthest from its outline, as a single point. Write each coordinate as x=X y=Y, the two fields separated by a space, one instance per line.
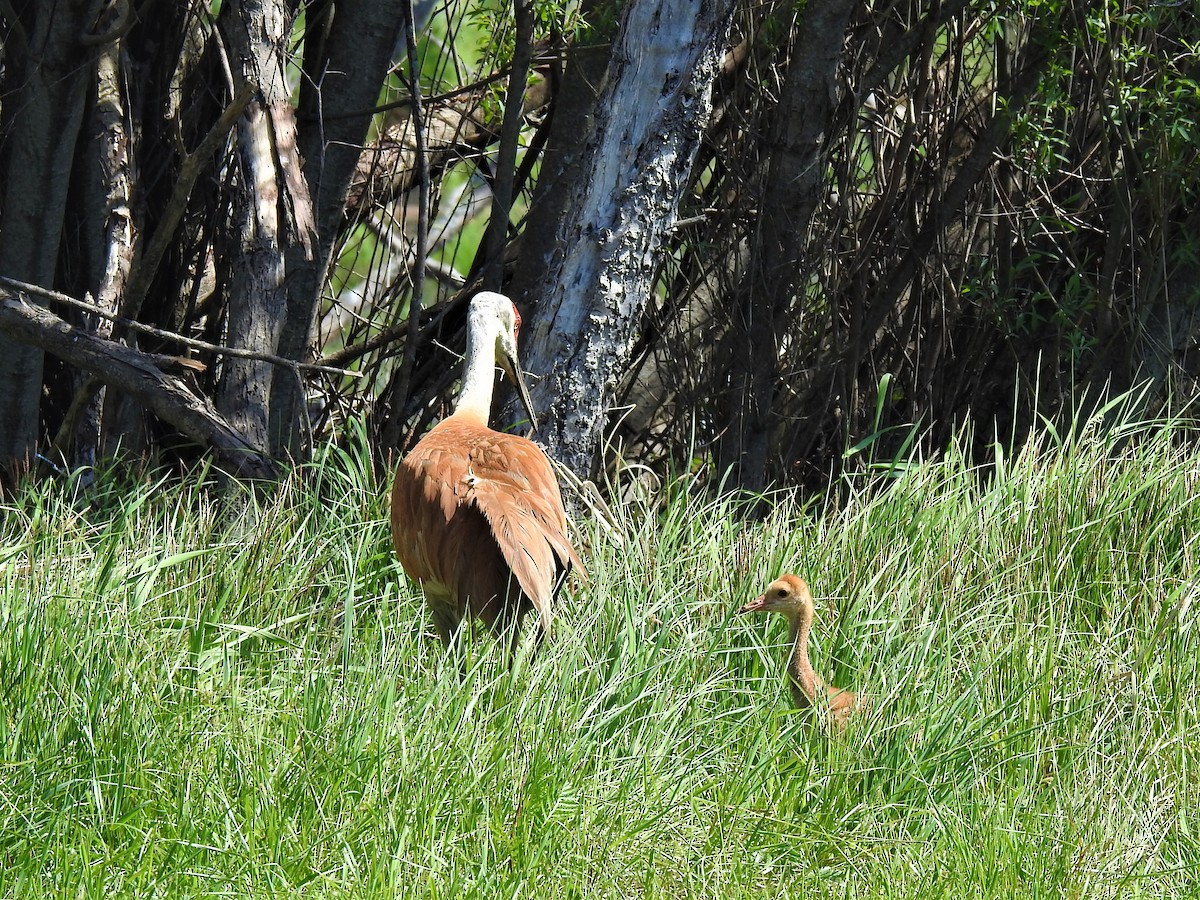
x=46 y=76
x=354 y=48
x=794 y=180
x=576 y=94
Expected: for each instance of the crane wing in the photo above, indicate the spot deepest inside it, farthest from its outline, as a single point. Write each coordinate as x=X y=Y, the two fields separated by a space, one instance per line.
x=513 y=485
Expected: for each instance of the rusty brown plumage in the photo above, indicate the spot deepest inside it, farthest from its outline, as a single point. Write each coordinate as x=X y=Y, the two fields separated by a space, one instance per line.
x=477 y=516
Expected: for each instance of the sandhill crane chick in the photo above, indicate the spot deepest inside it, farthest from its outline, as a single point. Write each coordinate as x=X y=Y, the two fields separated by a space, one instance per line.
x=789 y=596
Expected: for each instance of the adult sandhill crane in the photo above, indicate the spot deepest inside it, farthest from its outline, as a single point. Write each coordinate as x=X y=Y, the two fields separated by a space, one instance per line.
x=790 y=596
x=477 y=517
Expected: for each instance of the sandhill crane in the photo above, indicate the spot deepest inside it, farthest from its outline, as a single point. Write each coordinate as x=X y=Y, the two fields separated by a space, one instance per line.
x=477 y=517
x=790 y=596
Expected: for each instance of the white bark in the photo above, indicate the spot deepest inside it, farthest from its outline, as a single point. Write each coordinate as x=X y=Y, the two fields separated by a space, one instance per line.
x=599 y=272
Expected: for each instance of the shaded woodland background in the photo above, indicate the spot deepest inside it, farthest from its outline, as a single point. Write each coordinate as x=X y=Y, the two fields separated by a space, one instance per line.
x=234 y=228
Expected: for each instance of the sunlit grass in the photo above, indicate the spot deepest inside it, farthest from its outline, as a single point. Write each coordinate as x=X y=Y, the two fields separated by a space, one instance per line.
x=204 y=693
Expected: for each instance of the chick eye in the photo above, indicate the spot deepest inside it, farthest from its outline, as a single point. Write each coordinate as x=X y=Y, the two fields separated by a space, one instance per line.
x=781 y=593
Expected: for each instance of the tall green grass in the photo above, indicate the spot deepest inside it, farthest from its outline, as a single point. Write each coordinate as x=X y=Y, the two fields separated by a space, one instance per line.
x=213 y=694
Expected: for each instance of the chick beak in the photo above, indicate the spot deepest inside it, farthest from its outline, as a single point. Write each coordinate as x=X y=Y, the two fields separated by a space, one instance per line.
x=755 y=605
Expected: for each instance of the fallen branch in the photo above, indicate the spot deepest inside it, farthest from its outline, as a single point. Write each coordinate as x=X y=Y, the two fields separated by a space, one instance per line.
x=67 y=300
x=140 y=376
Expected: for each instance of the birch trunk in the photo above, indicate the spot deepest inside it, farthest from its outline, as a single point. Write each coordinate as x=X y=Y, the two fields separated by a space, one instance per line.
x=596 y=276
x=109 y=205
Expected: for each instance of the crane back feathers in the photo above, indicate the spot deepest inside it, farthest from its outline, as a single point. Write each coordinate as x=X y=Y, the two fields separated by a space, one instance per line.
x=473 y=511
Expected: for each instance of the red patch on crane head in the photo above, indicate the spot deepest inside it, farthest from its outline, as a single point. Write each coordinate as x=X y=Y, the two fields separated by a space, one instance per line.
x=516 y=320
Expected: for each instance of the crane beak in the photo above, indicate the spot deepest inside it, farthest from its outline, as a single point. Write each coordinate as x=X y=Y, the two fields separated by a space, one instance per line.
x=758 y=604
x=512 y=368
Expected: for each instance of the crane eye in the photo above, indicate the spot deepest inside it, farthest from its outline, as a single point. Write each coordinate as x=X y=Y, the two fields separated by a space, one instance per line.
x=782 y=592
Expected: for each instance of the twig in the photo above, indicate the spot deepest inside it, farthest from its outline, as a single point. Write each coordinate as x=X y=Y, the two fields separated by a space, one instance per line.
x=395 y=332
x=194 y=343
x=420 y=251
x=407 y=101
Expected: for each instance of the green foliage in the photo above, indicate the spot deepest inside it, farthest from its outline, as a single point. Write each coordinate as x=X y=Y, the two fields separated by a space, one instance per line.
x=205 y=693
x=553 y=21
x=1125 y=100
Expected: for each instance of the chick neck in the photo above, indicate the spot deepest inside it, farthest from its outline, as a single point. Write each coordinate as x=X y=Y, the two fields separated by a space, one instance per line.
x=800 y=667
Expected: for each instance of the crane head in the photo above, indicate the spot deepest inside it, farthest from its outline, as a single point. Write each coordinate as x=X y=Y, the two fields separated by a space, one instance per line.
x=506 y=322
x=787 y=594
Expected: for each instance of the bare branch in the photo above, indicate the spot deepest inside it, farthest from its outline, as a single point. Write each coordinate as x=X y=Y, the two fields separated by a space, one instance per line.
x=143 y=272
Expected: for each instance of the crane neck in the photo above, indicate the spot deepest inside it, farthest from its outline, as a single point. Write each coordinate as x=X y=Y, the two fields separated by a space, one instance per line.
x=479 y=374
x=800 y=667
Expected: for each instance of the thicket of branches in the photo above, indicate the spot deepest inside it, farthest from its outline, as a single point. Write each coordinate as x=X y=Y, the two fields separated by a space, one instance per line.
x=902 y=213
x=999 y=223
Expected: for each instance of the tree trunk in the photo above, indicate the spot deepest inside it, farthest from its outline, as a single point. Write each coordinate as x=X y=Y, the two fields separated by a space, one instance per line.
x=276 y=215
x=576 y=94
x=46 y=76
x=597 y=274
x=795 y=177
x=108 y=213
x=354 y=48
